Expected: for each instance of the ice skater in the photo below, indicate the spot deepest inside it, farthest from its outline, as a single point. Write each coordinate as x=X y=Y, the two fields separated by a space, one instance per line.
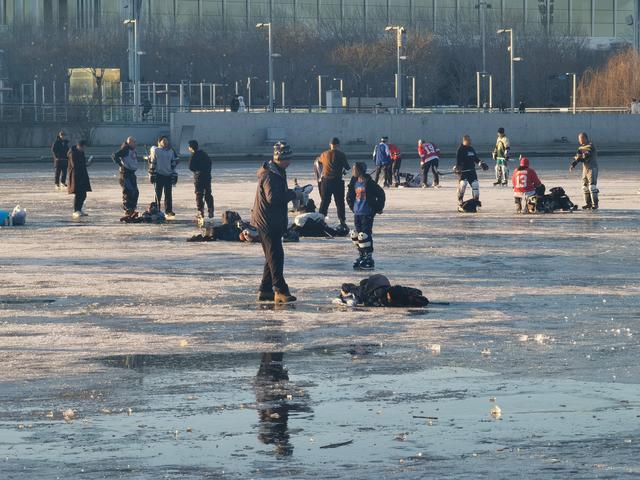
x=429 y=159
x=333 y=165
x=382 y=158
x=501 y=156
x=365 y=199
x=588 y=156
x=163 y=161
x=127 y=160
x=79 y=183
x=465 y=169
x=60 y=150
x=525 y=187
x=200 y=165
x=269 y=216
x=396 y=164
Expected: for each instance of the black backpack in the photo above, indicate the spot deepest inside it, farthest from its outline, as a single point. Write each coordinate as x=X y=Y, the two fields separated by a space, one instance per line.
x=471 y=205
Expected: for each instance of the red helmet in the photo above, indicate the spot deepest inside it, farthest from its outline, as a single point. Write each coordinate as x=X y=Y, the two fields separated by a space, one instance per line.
x=524 y=162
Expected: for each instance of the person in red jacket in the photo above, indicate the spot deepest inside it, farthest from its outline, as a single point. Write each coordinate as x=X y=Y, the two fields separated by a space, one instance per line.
x=396 y=162
x=525 y=182
x=429 y=157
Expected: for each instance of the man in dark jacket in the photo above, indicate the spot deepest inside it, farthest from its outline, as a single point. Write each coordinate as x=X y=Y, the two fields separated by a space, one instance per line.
x=200 y=165
x=365 y=199
x=60 y=149
x=269 y=216
x=79 y=183
x=334 y=165
x=465 y=168
x=127 y=159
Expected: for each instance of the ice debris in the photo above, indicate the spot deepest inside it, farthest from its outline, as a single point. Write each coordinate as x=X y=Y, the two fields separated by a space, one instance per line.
x=68 y=415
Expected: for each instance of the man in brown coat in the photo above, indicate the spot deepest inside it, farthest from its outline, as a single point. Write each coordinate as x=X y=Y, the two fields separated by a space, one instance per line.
x=78 y=183
x=334 y=165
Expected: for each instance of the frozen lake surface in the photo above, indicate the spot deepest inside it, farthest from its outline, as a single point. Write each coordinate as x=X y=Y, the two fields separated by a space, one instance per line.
x=167 y=368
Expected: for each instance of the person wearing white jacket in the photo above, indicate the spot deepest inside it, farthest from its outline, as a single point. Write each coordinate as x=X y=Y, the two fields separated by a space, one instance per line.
x=163 y=161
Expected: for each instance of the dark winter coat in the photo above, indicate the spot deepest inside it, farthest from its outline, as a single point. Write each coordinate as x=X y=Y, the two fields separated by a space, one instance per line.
x=374 y=192
x=269 y=212
x=60 y=149
x=466 y=158
x=200 y=164
x=78 y=181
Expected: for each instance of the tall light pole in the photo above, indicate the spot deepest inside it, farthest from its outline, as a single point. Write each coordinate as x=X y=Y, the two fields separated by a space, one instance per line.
x=574 y=88
x=134 y=60
x=320 y=91
x=512 y=60
x=341 y=80
x=400 y=37
x=268 y=27
x=413 y=90
x=482 y=7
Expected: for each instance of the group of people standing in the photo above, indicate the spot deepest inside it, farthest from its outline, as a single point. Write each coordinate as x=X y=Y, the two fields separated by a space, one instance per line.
x=363 y=195
x=70 y=172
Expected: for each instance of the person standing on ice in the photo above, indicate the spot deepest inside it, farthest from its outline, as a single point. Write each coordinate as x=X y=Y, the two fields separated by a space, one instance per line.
x=127 y=160
x=465 y=169
x=200 y=165
x=366 y=200
x=525 y=183
x=333 y=164
x=79 y=183
x=396 y=164
x=269 y=216
x=163 y=161
x=501 y=156
x=382 y=158
x=60 y=150
x=429 y=158
x=588 y=156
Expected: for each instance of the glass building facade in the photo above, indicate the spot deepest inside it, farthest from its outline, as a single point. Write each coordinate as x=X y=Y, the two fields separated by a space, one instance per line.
x=611 y=19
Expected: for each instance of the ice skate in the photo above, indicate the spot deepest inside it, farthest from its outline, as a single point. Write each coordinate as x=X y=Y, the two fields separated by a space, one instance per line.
x=170 y=216
x=76 y=215
x=367 y=263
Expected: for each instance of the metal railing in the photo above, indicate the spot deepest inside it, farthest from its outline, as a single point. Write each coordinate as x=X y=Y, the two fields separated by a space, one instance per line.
x=161 y=114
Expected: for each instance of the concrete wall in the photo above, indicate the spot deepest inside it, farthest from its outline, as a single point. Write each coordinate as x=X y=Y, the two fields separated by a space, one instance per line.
x=27 y=136
x=246 y=132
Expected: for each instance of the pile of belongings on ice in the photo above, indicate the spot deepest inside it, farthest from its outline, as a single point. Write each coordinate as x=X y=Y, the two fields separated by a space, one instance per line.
x=232 y=229
x=153 y=214
x=377 y=291
x=556 y=199
x=409 y=180
x=308 y=222
x=13 y=219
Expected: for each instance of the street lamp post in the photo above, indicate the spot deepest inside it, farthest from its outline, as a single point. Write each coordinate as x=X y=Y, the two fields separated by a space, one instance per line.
x=134 y=59
x=574 y=86
x=512 y=60
x=400 y=37
x=268 y=27
x=413 y=90
x=341 y=80
x=320 y=91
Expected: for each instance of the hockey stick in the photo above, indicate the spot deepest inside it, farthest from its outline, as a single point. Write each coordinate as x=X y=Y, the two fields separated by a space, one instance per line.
x=463 y=171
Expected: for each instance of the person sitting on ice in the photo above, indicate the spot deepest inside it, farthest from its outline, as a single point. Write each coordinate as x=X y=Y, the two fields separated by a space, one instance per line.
x=377 y=291
x=525 y=187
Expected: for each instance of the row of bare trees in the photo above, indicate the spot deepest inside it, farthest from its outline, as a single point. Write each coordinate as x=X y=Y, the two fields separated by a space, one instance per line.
x=444 y=65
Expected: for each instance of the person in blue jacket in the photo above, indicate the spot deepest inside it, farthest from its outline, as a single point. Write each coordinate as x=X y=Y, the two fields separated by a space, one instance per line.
x=382 y=158
x=366 y=200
